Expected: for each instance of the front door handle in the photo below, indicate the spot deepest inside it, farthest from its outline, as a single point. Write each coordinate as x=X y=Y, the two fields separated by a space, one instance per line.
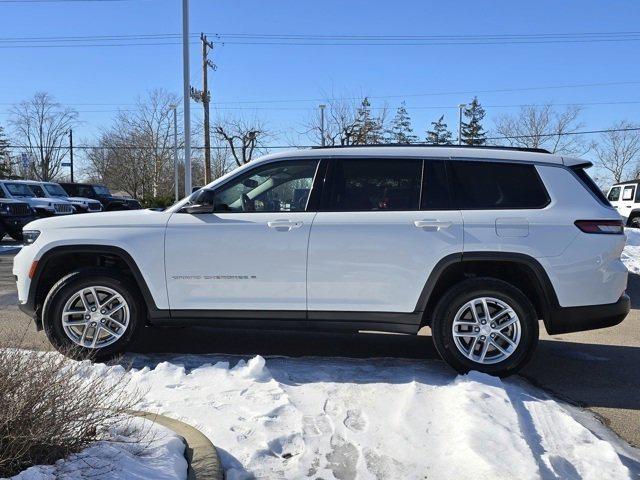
x=432 y=224
x=284 y=224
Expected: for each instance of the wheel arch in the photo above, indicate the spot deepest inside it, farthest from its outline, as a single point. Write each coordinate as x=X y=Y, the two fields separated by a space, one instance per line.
x=520 y=270
x=61 y=260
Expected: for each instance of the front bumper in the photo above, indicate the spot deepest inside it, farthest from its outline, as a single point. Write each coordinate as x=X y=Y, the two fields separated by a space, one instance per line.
x=578 y=319
x=15 y=224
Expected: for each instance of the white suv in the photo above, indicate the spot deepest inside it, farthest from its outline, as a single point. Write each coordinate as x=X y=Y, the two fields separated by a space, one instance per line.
x=44 y=207
x=625 y=197
x=477 y=243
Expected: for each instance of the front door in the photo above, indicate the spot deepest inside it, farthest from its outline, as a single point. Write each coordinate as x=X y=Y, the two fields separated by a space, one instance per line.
x=251 y=253
x=385 y=225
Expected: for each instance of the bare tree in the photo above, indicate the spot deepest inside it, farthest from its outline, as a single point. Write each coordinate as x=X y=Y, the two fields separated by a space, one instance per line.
x=244 y=137
x=41 y=126
x=543 y=127
x=136 y=152
x=619 y=151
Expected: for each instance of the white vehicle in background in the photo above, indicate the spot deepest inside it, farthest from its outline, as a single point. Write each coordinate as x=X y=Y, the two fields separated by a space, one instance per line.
x=44 y=207
x=52 y=189
x=625 y=197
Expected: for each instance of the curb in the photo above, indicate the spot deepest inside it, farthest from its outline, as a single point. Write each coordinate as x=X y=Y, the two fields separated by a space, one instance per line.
x=202 y=457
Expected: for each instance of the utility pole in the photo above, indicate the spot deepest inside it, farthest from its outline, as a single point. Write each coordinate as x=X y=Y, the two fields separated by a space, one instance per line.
x=460 y=107
x=204 y=96
x=322 y=141
x=175 y=150
x=185 y=97
x=71 y=152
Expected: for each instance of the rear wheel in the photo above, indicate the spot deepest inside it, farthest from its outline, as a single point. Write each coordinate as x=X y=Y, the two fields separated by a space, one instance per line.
x=487 y=325
x=92 y=314
x=634 y=222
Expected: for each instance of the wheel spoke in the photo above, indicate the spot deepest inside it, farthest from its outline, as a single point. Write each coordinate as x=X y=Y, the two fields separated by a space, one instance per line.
x=485 y=310
x=508 y=323
x=465 y=334
x=496 y=345
x=96 y=302
x=474 y=312
x=485 y=347
x=506 y=339
x=114 y=310
x=96 y=333
x=84 y=301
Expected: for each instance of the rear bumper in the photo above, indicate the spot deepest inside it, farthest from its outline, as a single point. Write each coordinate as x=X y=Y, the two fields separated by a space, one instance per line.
x=578 y=319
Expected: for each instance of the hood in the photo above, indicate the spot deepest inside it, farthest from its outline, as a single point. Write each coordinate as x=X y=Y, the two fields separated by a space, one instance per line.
x=44 y=201
x=12 y=201
x=124 y=218
x=81 y=200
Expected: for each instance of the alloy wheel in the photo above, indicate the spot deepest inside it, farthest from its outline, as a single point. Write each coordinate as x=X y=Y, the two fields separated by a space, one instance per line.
x=95 y=317
x=486 y=330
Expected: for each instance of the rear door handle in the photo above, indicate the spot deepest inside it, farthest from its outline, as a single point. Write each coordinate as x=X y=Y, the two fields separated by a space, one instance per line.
x=284 y=224
x=434 y=224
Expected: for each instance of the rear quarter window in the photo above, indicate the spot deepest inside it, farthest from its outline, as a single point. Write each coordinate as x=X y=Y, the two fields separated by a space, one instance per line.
x=482 y=185
x=588 y=183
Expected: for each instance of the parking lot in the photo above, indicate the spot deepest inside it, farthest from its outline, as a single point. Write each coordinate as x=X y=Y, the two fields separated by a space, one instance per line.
x=597 y=370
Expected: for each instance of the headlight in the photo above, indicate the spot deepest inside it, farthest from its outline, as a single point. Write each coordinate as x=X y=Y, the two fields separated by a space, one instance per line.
x=30 y=236
x=5 y=210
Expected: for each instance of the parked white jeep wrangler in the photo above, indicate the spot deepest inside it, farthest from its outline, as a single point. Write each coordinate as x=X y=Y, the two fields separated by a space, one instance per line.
x=477 y=243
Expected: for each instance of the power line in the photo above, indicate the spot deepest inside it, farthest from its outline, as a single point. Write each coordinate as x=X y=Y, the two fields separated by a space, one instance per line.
x=274 y=147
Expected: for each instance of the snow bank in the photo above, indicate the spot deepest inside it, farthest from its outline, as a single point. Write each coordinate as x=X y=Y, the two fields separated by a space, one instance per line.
x=371 y=419
x=160 y=456
x=631 y=253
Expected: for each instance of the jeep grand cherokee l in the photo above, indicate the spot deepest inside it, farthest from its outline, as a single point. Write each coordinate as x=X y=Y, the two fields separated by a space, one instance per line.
x=477 y=243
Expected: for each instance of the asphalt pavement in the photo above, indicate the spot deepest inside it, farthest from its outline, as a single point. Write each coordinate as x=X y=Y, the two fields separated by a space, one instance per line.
x=598 y=370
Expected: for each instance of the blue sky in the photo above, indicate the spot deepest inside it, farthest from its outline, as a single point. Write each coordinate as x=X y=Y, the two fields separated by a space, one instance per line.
x=115 y=76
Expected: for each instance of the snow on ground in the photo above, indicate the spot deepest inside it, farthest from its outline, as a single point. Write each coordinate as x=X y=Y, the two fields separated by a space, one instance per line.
x=335 y=418
x=631 y=253
x=159 y=456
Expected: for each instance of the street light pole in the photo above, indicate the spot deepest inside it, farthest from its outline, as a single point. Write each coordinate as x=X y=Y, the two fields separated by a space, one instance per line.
x=322 y=141
x=461 y=106
x=175 y=150
x=186 y=97
x=71 y=152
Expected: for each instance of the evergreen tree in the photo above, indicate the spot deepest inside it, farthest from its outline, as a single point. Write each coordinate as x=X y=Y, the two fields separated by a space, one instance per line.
x=472 y=131
x=401 y=130
x=5 y=159
x=367 y=128
x=440 y=134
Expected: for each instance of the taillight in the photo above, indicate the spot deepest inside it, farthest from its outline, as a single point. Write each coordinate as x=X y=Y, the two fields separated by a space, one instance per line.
x=610 y=227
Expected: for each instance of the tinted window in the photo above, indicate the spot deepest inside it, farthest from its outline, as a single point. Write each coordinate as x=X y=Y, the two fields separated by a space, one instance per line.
x=497 y=185
x=361 y=185
x=590 y=185
x=280 y=187
x=435 y=188
x=614 y=194
x=38 y=190
x=627 y=193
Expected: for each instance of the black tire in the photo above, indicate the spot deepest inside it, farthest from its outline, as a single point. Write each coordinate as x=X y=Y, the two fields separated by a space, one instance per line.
x=454 y=299
x=634 y=222
x=66 y=287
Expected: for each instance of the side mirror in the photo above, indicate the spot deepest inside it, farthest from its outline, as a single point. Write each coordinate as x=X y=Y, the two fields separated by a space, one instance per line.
x=250 y=183
x=199 y=208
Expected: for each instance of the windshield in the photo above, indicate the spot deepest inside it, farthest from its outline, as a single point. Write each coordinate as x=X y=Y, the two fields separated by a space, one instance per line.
x=100 y=190
x=19 y=190
x=55 y=190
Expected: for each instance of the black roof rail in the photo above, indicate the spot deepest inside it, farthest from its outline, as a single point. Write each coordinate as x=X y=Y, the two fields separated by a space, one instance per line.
x=430 y=145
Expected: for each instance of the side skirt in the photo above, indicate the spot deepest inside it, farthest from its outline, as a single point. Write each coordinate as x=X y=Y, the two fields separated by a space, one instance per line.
x=294 y=320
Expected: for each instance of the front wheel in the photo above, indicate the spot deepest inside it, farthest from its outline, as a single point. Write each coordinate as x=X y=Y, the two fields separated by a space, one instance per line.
x=487 y=325
x=92 y=314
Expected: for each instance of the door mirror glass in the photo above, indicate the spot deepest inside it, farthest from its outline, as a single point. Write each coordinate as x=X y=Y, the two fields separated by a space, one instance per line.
x=250 y=183
x=200 y=202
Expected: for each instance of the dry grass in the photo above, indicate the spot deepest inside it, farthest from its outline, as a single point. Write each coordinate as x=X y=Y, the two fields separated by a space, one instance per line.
x=51 y=406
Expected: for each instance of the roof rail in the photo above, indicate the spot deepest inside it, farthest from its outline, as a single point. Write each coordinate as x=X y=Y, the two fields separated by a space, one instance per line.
x=430 y=145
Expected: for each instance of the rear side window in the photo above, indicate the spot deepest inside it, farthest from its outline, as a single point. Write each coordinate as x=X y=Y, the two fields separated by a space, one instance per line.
x=361 y=185
x=627 y=192
x=614 y=194
x=590 y=185
x=497 y=186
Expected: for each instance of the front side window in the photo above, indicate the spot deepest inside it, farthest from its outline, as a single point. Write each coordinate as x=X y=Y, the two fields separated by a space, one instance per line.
x=627 y=193
x=19 y=190
x=280 y=187
x=101 y=190
x=479 y=185
x=614 y=194
x=362 y=185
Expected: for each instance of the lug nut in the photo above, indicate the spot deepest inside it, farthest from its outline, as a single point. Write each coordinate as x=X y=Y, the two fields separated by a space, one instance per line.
x=87 y=317
x=493 y=335
x=482 y=337
x=93 y=309
x=103 y=312
x=483 y=322
x=102 y=321
x=493 y=325
x=476 y=329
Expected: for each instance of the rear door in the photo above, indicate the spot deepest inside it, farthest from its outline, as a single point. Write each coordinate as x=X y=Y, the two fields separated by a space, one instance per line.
x=384 y=224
